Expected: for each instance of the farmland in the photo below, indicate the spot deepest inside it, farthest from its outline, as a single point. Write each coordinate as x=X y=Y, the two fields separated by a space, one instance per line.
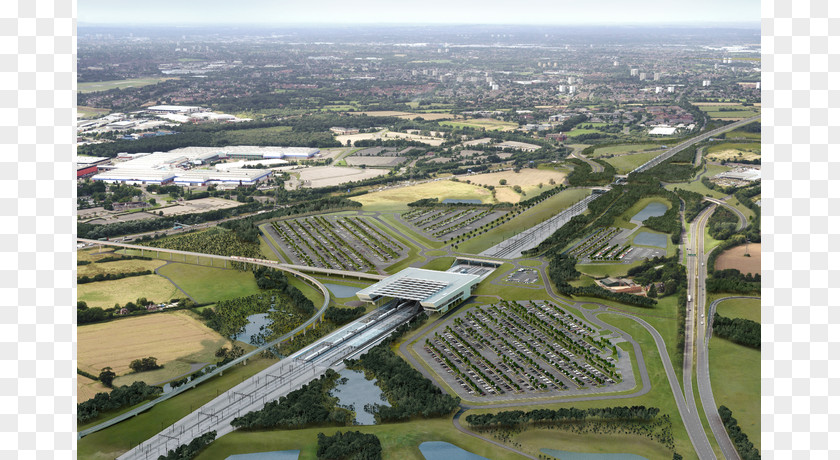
x=89 y=87
x=396 y=197
x=624 y=149
x=530 y=178
x=385 y=135
x=729 y=111
x=625 y=163
x=734 y=258
x=176 y=339
x=87 y=388
x=118 y=266
x=325 y=176
x=734 y=152
x=406 y=115
x=482 y=124
x=105 y=294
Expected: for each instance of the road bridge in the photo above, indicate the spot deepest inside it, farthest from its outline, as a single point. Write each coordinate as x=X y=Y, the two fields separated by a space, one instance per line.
x=742 y=219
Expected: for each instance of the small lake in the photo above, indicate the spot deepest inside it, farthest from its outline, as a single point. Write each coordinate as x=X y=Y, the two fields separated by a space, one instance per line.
x=276 y=455
x=651 y=239
x=358 y=392
x=257 y=326
x=651 y=210
x=436 y=450
x=566 y=455
x=457 y=201
x=340 y=290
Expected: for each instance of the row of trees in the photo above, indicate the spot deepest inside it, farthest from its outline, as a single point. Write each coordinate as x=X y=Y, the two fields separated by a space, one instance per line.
x=350 y=445
x=739 y=330
x=124 y=396
x=582 y=174
x=409 y=393
x=110 y=276
x=732 y=280
x=309 y=405
x=746 y=449
x=547 y=416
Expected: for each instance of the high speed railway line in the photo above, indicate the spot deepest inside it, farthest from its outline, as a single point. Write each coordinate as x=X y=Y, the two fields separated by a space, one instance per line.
x=278 y=380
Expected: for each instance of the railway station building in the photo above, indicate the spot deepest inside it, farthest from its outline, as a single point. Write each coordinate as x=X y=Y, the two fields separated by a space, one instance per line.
x=436 y=291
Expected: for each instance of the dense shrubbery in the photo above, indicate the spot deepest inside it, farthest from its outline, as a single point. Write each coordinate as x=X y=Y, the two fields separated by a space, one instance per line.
x=723 y=224
x=739 y=330
x=214 y=240
x=309 y=405
x=189 y=451
x=668 y=271
x=124 y=396
x=732 y=280
x=350 y=445
x=518 y=417
x=268 y=278
x=409 y=393
x=694 y=203
x=341 y=316
x=746 y=449
x=144 y=364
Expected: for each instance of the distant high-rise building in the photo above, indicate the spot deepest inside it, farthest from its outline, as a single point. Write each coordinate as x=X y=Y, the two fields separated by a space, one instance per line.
x=656 y=76
x=658 y=89
x=670 y=89
x=570 y=80
x=758 y=85
x=561 y=88
x=634 y=72
x=642 y=76
x=615 y=63
x=707 y=82
x=572 y=89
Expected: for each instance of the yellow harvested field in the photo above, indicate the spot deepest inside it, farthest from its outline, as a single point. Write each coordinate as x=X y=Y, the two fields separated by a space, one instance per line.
x=734 y=258
x=735 y=155
x=94 y=253
x=441 y=189
x=166 y=336
x=105 y=294
x=507 y=195
x=486 y=123
x=120 y=266
x=407 y=115
x=524 y=178
x=87 y=388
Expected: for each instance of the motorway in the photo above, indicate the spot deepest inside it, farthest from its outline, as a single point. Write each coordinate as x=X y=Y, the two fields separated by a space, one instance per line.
x=277 y=380
x=673 y=150
x=596 y=167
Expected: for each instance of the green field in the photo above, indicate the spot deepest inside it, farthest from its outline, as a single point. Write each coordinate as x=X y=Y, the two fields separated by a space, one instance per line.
x=524 y=221
x=256 y=136
x=625 y=163
x=602 y=270
x=735 y=372
x=739 y=308
x=89 y=87
x=91 y=112
x=739 y=134
x=440 y=263
x=624 y=148
x=105 y=294
x=730 y=111
x=697 y=185
x=207 y=284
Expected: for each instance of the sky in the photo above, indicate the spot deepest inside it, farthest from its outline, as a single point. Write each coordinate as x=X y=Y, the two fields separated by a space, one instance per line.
x=546 y=12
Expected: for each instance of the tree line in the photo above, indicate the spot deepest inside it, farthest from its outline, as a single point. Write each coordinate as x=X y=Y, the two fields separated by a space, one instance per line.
x=582 y=174
x=124 y=396
x=309 y=405
x=547 y=416
x=732 y=280
x=110 y=276
x=739 y=330
x=341 y=316
x=746 y=449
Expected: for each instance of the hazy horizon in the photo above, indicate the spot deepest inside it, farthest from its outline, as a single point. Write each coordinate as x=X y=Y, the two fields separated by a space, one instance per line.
x=262 y=13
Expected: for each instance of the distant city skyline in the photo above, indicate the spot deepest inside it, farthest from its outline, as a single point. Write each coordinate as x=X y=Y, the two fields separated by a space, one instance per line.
x=543 y=12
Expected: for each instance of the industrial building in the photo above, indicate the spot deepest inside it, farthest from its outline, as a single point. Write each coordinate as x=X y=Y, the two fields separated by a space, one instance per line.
x=136 y=176
x=173 y=109
x=514 y=145
x=436 y=291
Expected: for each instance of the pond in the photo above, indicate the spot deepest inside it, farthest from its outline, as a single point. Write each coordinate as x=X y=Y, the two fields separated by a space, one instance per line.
x=457 y=201
x=276 y=455
x=340 y=290
x=566 y=455
x=651 y=239
x=256 y=328
x=434 y=450
x=357 y=391
x=651 y=210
